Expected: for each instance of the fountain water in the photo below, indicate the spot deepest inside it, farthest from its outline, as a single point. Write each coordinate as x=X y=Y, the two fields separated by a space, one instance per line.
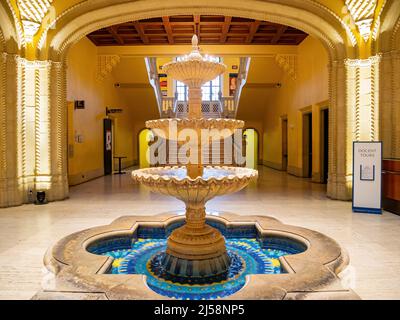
x=196 y=250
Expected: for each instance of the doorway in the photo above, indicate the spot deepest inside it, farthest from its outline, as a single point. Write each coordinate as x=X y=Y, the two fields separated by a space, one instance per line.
x=307 y=145
x=144 y=149
x=108 y=146
x=251 y=138
x=284 y=144
x=324 y=145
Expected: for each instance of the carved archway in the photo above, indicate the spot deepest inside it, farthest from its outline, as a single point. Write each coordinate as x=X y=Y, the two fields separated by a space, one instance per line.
x=9 y=194
x=84 y=17
x=310 y=17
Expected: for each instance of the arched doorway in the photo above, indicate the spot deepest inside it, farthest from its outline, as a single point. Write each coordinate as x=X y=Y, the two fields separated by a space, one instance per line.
x=252 y=140
x=144 y=149
x=317 y=20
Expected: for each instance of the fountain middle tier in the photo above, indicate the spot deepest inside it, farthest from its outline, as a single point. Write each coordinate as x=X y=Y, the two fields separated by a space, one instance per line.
x=195 y=249
x=170 y=128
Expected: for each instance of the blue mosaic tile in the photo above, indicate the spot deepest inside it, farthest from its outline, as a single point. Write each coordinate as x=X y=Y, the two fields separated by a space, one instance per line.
x=251 y=258
x=249 y=252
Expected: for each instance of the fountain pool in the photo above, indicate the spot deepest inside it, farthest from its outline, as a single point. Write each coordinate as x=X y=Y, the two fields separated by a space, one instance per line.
x=249 y=254
x=269 y=260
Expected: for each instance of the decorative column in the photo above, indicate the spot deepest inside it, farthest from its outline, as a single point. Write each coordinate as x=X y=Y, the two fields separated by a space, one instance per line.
x=10 y=193
x=33 y=130
x=340 y=134
x=390 y=102
x=363 y=97
x=395 y=108
x=58 y=129
x=354 y=116
x=43 y=172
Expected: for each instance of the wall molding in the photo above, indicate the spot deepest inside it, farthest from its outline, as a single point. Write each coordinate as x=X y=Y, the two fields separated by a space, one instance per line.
x=272 y=165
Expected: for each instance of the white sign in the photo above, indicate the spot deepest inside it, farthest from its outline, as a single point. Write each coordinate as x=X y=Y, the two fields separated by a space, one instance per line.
x=367 y=177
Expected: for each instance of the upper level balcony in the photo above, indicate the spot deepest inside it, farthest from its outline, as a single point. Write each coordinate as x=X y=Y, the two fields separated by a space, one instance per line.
x=223 y=107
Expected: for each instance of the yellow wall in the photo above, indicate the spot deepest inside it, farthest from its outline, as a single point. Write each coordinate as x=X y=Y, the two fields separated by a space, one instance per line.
x=309 y=92
x=257 y=94
x=138 y=104
x=86 y=162
x=262 y=105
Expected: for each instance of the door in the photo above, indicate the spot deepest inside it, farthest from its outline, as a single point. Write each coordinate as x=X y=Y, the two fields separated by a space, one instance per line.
x=325 y=144
x=307 y=145
x=251 y=136
x=108 y=146
x=284 y=144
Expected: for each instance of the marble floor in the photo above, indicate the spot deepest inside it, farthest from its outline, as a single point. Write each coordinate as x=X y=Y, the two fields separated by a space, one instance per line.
x=373 y=241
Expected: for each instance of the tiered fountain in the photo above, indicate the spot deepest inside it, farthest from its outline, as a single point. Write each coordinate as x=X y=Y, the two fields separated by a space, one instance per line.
x=195 y=250
x=131 y=259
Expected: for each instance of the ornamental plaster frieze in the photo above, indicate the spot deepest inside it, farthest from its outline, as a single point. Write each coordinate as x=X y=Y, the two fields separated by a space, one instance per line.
x=288 y=63
x=363 y=63
x=105 y=65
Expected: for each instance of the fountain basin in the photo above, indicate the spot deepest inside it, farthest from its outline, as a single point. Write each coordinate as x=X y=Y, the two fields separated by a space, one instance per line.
x=310 y=274
x=215 y=181
x=194 y=72
x=170 y=128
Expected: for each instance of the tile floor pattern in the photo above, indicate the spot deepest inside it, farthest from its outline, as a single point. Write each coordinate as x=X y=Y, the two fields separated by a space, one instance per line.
x=373 y=241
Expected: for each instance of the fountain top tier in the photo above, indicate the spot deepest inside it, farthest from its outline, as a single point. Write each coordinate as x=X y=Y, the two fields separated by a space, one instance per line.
x=193 y=69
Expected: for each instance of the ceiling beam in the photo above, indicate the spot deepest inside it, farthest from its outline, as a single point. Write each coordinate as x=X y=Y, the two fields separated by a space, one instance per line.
x=279 y=34
x=140 y=31
x=168 y=29
x=196 y=20
x=253 y=29
x=225 y=28
x=114 y=31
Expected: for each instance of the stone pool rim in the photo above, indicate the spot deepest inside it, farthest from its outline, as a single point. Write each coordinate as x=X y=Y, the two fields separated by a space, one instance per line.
x=312 y=273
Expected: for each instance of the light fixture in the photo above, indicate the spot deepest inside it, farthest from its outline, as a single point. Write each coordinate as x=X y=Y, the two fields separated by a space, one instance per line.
x=41 y=198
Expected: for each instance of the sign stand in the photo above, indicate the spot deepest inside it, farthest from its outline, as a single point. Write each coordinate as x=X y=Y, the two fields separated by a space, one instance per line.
x=367 y=177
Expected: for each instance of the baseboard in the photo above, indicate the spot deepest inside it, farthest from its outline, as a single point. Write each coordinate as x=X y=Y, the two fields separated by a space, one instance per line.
x=273 y=165
x=317 y=177
x=295 y=171
x=82 y=177
x=128 y=164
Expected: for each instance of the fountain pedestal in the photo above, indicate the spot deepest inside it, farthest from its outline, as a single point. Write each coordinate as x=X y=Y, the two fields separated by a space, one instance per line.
x=196 y=250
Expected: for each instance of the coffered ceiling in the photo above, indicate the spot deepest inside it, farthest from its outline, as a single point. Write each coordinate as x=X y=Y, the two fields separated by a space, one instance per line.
x=210 y=29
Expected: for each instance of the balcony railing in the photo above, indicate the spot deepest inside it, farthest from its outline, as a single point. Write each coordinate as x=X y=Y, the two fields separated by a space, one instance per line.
x=225 y=107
